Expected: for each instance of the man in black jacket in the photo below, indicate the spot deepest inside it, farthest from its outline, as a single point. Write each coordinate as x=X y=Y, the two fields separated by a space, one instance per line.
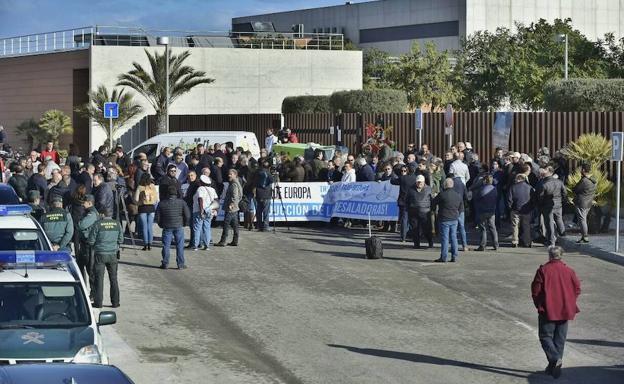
x=159 y=168
x=550 y=194
x=449 y=204
x=264 y=189
x=418 y=204
x=104 y=198
x=405 y=181
x=521 y=201
x=168 y=180
x=172 y=215
x=19 y=182
x=584 y=194
x=38 y=182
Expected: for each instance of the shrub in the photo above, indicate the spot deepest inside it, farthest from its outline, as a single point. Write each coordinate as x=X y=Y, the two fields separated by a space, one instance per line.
x=369 y=101
x=306 y=104
x=577 y=95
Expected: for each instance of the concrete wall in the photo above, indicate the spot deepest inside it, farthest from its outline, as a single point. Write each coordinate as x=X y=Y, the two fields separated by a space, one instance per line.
x=593 y=18
x=246 y=80
x=31 y=85
x=375 y=14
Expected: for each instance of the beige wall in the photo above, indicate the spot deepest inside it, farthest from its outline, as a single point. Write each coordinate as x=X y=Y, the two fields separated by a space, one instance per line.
x=31 y=85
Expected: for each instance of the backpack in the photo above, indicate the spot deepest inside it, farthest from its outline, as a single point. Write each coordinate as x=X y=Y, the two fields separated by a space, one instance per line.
x=148 y=196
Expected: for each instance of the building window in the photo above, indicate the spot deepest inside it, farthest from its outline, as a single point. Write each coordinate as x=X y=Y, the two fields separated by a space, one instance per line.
x=409 y=32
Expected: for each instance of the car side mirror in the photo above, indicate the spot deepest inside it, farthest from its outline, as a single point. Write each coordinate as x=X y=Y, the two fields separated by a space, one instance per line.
x=107 y=318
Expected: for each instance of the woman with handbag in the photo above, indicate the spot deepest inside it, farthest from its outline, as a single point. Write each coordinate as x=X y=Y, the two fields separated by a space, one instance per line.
x=205 y=207
x=146 y=196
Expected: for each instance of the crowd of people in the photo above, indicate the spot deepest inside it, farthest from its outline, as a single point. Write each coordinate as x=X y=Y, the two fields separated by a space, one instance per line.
x=437 y=196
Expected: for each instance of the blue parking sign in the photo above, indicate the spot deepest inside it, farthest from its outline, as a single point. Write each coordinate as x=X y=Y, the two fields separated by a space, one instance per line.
x=111 y=110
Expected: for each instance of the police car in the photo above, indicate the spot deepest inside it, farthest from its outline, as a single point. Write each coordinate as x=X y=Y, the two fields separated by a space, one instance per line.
x=45 y=313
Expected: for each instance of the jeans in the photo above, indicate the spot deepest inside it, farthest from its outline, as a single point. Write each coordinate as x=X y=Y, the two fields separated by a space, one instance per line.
x=552 y=336
x=201 y=229
x=404 y=221
x=231 y=219
x=169 y=234
x=420 y=222
x=487 y=222
x=448 y=229
x=147 y=226
x=581 y=217
x=262 y=213
x=553 y=217
x=462 y=228
x=111 y=267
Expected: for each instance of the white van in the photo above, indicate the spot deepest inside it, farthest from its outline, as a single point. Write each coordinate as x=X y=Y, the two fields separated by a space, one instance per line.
x=189 y=140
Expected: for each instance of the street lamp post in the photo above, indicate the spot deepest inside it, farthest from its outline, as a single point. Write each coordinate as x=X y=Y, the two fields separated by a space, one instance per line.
x=563 y=38
x=164 y=40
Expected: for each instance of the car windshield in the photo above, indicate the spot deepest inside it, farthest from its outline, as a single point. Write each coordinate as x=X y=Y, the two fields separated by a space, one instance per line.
x=148 y=149
x=42 y=305
x=22 y=240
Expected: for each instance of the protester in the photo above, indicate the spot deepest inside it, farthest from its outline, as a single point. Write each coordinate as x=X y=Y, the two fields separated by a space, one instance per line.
x=104 y=198
x=19 y=182
x=584 y=195
x=486 y=199
x=449 y=204
x=405 y=181
x=172 y=215
x=418 y=205
x=49 y=153
x=146 y=196
x=263 y=194
x=231 y=202
x=550 y=194
x=521 y=201
x=555 y=290
x=203 y=212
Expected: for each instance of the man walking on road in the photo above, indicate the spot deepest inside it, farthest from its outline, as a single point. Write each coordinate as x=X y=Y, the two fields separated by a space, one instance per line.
x=555 y=289
x=172 y=215
x=105 y=239
x=233 y=196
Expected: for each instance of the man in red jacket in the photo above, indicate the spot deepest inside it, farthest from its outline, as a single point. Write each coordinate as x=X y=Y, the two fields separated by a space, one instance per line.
x=555 y=289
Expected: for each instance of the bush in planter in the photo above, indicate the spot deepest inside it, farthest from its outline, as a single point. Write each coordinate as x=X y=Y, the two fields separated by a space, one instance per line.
x=369 y=101
x=593 y=149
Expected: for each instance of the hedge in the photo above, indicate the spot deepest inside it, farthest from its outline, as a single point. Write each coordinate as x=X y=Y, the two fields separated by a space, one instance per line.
x=369 y=101
x=578 y=95
x=306 y=104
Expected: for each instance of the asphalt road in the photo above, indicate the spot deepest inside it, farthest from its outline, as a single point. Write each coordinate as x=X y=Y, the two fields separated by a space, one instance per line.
x=305 y=307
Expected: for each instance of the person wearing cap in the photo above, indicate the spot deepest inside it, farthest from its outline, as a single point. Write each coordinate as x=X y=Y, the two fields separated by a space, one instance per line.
x=105 y=237
x=203 y=212
x=521 y=201
x=170 y=179
x=485 y=198
x=172 y=215
x=84 y=258
x=418 y=204
x=58 y=225
x=34 y=201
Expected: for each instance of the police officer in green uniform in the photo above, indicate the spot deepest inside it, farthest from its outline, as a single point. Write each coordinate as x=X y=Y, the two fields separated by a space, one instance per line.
x=104 y=239
x=34 y=201
x=58 y=225
x=85 y=260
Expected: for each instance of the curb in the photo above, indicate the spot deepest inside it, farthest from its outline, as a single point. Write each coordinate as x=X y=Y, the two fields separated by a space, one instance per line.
x=589 y=249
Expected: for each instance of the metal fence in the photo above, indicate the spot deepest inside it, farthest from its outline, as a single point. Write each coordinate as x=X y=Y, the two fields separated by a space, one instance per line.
x=82 y=38
x=529 y=130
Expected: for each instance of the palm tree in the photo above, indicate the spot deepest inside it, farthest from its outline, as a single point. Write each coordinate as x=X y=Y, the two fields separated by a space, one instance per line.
x=55 y=123
x=94 y=109
x=182 y=78
x=30 y=129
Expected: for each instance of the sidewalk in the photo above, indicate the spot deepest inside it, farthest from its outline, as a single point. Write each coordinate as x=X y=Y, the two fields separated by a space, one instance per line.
x=601 y=246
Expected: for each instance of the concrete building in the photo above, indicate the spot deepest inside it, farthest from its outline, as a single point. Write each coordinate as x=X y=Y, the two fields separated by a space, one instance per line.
x=393 y=25
x=42 y=72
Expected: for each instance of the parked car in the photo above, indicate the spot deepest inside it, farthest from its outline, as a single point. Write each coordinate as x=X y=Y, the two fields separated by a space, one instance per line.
x=62 y=373
x=8 y=195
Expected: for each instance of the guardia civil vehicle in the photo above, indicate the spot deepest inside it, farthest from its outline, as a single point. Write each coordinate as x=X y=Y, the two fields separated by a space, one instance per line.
x=45 y=313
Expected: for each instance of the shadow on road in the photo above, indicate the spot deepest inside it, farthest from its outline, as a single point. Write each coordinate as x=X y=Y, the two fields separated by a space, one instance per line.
x=584 y=375
x=426 y=359
x=132 y=264
x=601 y=343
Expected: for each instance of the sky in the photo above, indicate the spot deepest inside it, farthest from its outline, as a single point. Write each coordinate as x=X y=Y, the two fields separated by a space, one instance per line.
x=24 y=17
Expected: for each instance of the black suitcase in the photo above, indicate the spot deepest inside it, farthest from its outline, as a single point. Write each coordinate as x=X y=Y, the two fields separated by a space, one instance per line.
x=374 y=248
